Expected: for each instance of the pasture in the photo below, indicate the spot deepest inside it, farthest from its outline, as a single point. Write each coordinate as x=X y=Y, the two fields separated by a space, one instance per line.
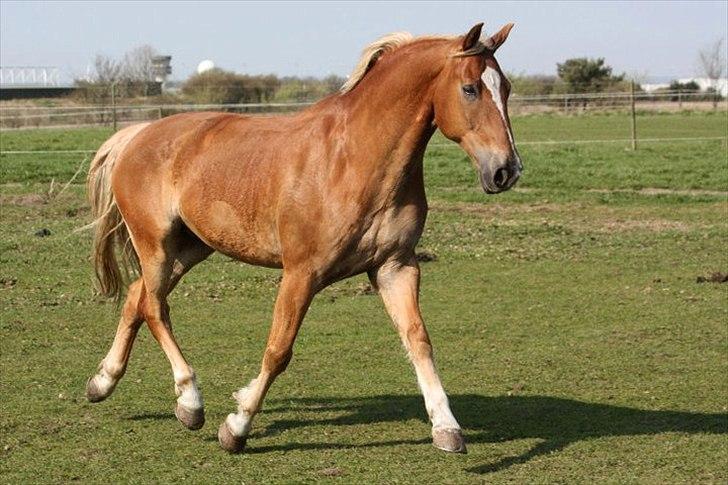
x=569 y=329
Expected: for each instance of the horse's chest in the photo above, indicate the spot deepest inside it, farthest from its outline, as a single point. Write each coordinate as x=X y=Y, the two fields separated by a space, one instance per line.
x=391 y=231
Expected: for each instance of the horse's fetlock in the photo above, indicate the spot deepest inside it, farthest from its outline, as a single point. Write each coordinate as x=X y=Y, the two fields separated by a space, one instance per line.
x=240 y=423
x=111 y=370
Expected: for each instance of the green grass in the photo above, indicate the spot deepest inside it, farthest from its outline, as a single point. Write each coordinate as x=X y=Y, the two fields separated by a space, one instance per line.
x=567 y=323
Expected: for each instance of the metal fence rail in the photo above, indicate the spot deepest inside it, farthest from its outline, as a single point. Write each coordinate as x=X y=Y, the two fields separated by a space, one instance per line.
x=575 y=104
x=625 y=141
x=111 y=114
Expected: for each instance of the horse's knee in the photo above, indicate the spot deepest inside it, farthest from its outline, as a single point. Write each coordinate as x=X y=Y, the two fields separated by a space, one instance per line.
x=276 y=360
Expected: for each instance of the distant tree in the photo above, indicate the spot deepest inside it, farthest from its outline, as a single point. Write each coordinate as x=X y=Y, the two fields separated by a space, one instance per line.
x=583 y=75
x=676 y=87
x=535 y=85
x=132 y=76
x=215 y=86
x=690 y=86
x=218 y=86
x=137 y=64
x=333 y=83
x=107 y=70
x=712 y=65
x=712 y=61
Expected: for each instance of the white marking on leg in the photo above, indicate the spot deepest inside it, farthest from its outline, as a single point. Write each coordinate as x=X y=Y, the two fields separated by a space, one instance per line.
x=436 y=402
x=241 y=423
x=243 y=394
x=104 y=381
x=188 y=394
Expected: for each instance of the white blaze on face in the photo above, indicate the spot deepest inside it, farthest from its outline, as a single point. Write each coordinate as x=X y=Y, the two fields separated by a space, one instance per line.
x=492 y=80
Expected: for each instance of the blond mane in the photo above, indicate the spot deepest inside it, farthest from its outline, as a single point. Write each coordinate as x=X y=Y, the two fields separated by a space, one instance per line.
x=391 y=42
x=371 y=53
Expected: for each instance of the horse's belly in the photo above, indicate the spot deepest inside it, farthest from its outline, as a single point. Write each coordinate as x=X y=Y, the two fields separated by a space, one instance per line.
x=240 y=234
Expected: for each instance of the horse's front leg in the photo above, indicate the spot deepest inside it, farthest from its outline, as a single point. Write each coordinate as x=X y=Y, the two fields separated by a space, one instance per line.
x=398 y=284
x=294 y=296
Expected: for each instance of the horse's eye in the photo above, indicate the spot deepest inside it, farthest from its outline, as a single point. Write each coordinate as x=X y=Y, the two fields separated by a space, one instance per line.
x=469 y=90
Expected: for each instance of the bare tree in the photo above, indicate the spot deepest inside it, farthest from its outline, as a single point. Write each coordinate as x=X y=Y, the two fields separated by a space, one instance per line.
x=136 y=66
x=107 y=70
x=712 y=64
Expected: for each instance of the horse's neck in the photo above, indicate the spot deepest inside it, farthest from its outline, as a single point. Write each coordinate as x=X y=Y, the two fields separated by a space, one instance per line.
x=391 y=112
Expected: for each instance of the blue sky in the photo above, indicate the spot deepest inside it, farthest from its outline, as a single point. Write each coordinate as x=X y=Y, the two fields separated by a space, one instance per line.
x=647 y=39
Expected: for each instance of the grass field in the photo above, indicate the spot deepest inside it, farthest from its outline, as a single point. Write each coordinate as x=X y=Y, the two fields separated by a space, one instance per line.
x=568 y=326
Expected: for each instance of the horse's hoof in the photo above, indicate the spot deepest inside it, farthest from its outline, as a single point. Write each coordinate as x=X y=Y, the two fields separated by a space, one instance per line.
x=191 y=418
x=449 y=440
x=228 y=441
x=93 y=392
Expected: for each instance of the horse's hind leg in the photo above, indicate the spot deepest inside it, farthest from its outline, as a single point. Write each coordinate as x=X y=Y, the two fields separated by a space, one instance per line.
x=163 y=265
x=398 y=284
x=112 y=368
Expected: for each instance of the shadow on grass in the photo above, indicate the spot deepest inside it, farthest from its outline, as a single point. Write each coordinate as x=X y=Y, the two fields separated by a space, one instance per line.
x=556 y=422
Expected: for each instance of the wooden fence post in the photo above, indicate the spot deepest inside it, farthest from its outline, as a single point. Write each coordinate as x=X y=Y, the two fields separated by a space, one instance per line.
x=113 y=105
x=634 y=117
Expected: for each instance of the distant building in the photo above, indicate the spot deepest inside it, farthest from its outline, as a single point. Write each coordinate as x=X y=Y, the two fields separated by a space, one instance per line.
x=652 y=87
x=162 y=67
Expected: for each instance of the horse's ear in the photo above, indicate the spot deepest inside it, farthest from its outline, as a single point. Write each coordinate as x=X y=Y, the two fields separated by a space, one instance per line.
x=472 y=37
x=497 y=39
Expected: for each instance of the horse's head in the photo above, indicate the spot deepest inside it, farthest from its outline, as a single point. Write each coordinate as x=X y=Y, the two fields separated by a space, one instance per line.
x=471 y=108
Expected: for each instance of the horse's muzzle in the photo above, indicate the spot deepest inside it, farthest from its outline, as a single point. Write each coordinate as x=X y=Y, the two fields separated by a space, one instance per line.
x=500 y=179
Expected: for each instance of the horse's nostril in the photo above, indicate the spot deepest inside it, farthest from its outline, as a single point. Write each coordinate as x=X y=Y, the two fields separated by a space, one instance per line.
x=501 y=178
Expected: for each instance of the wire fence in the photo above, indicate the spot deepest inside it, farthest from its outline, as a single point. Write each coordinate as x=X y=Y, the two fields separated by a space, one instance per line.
x=638 y=106
x=115 y=114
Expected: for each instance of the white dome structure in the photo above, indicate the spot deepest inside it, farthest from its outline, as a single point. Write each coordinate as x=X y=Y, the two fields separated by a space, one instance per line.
x=205 y=66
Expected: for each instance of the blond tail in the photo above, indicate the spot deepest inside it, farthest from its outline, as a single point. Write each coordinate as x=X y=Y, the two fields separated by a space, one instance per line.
x=114 y=258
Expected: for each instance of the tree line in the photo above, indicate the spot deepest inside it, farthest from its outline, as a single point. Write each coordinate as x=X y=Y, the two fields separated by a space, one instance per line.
x=133 y=76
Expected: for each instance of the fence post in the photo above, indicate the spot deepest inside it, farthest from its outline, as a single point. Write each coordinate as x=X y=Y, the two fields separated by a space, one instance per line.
x=159 y=113
x=113 y=105
x=634 y=117
x=679 y=99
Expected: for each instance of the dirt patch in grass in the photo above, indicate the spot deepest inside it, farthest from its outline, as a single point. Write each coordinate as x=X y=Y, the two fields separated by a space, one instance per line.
x=25 y=200
x=576 y=217
x=500 y=209
x=651 y=225
x=659 y=191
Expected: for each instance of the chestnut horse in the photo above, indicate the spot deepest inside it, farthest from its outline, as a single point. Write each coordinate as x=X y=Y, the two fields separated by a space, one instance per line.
x=330 y=192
